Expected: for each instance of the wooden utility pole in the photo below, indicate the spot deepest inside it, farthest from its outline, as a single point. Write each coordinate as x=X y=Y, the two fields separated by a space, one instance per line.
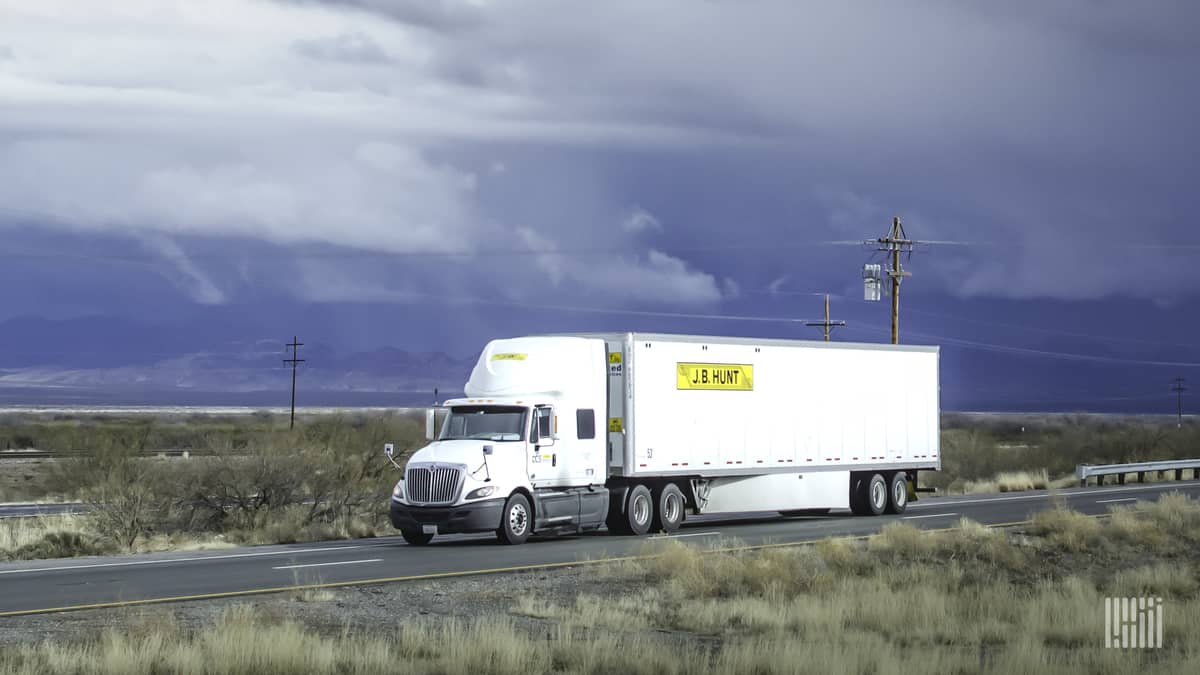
x=1178 y=388
x=895 y=243
x=826 y=325
x=295 y=344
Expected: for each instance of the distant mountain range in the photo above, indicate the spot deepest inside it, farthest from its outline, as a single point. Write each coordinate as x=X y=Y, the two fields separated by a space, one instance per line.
x=104 y=360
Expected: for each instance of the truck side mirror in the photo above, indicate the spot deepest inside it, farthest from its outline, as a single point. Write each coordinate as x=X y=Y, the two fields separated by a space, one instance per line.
x=430 y=424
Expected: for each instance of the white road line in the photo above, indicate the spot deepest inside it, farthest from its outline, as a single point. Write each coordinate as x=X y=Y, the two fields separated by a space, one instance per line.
x=1109 y=501
x=131 y=563
x=930 y=515
x=690 y=534
x=951 y=501
x=340 y=562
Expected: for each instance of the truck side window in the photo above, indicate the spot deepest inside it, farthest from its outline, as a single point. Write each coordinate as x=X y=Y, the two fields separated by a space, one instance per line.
x=585 y=422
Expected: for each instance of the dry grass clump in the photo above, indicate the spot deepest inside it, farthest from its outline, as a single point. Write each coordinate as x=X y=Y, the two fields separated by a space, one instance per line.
x=1016 y=481
x=1160 y=579
x=49 y=537
x=694 y=572
x=1067 y=529
x=244 y=642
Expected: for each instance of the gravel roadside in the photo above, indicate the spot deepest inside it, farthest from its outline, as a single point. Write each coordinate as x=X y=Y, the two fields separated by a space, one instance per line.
x=377 y=607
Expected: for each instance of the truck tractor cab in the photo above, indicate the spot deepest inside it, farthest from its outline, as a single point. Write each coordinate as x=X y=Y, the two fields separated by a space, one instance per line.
x=520 y=454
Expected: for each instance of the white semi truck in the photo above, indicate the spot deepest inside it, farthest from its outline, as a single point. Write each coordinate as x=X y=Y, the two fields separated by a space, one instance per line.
x=634 y=431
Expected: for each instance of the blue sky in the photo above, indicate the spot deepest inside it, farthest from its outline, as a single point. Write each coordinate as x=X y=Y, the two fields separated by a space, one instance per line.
x=428 y=175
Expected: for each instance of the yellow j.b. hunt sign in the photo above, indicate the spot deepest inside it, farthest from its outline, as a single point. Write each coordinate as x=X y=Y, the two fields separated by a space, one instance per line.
x=726 y=376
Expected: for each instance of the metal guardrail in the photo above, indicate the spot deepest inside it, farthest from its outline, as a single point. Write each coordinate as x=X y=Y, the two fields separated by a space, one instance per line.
x=1085 y=471
x=56 y=454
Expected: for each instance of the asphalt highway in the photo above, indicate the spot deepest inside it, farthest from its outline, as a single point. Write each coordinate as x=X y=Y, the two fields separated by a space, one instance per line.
x=81 y=583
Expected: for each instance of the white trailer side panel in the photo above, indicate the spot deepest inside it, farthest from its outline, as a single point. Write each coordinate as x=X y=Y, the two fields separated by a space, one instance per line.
x=808 y=406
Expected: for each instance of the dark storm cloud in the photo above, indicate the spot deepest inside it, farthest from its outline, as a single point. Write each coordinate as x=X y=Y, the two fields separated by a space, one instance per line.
x=1060 y=132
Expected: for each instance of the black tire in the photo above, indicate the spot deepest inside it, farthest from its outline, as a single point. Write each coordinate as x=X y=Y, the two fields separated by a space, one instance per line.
x=616 y=512
x=876 y=496
x=858 y=491
x=516 y=523
x=804 y=512
x=897 y=493
x=639 y=510
x=668 y=508
x=416 y=537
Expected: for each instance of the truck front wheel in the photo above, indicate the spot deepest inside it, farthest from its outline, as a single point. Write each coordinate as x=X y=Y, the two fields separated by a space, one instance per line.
x=639 y=510
x=668 y=515
x=416 y=537
x=517 y=520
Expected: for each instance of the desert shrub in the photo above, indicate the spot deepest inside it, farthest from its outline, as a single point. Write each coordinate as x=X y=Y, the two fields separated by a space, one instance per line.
x=60 y=544
x=1067 y=529
x=326 y=478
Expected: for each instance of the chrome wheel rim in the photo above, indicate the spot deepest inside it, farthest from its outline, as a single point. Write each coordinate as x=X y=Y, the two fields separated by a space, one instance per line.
x=672 y=509
x=518 y=518
x=901 y=493
x=641 y=509
x=878 y=495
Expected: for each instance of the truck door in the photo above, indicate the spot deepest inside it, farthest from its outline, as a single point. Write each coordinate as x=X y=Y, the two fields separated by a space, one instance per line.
x=545 y=452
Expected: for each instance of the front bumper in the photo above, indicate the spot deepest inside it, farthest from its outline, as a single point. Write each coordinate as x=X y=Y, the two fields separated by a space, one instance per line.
x=481 y=516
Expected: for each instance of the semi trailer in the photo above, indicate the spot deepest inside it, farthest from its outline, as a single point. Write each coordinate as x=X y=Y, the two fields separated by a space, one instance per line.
x=635 y=432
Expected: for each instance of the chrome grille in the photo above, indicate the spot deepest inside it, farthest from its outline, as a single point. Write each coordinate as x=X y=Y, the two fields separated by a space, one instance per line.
x=432 y=485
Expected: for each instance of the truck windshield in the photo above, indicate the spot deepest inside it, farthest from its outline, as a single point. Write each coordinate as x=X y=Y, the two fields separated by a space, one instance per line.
x=491 y=423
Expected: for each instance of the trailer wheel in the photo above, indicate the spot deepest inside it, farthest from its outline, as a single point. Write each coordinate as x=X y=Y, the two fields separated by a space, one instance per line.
x=639 y=510
x=668 y=512
x=897 y=493
x=877 y=495
x=858 y=495
x=416 y=537
x=517 y=521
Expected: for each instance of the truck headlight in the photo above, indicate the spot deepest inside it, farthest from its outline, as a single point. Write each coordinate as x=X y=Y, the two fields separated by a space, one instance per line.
x=480 y=493
x=398 y=491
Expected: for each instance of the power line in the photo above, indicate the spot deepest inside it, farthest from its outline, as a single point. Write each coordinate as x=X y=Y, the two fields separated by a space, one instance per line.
x=1053 y=331
x=295 y=344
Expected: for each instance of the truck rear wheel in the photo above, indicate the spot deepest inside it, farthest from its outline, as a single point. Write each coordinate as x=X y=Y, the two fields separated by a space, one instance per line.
x=877 y=495
x=668 y=514
x=416 y=537
x=868 y=494
x=898 y=493
x=516 y=522
x=639 y=510
x=858 y=491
